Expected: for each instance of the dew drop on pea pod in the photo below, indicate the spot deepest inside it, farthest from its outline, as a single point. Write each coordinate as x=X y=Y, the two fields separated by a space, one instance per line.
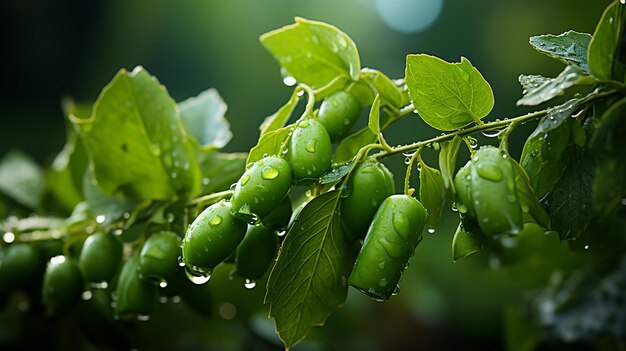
x=497 y=206
x=135 y=297
x=338 y=113
x=370 y=183
x=310 y=150
x=158 y=260
x=19 y=266
x=463 y=191
x=256 y=252
x=389 y=244
x=262 y=187
x=211 y=238
x=62 y=283
x=99 y=259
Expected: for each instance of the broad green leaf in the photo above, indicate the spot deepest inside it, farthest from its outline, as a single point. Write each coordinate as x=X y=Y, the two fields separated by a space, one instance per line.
x=447 y=161
x=106 y=208
x=607 y=145
x=569 y=204
x=528 y=198
x=604 y=42
x=65 y=175
x=220 y=170
x=203 y=117
x=384 y=86
x=569 y=47
x=464 y=243
x=309 y=280
x=280 y=118
x=22 y=179
x=447 y=96
x=553 y=87
x=271 y=143
x=531 y=81
x=350 y=145
x=336 y=174
x=136 y=140
x=432 y=192
x=314 y=53
x=374 y=117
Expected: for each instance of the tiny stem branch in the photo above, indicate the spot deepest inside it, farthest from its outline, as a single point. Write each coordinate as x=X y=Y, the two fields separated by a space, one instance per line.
x=211 y=198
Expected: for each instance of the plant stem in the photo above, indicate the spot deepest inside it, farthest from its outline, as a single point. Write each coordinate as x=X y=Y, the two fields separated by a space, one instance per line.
x=213 y=198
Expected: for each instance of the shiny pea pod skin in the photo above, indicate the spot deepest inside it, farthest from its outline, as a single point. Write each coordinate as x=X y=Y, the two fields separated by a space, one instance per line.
x=497 y=205
x=262 y=187
x=100 y=257
x=279 y=218
x=212 y=236
x=369 y=185
x=463 y=191
x=158 y=259
x=62 y=283
x=338 y=113
x=310 y=150
x=134 y=296
x=19 y=264
x=390 y=242
x=256 y=252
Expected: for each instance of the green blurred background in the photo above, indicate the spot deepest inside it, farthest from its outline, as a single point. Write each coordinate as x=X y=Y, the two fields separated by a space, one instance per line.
x=53 y=49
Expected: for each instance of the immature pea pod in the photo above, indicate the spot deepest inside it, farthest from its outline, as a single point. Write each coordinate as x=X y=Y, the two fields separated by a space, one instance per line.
x=368 y=186
x=338 y=113
x=99 y=258
x=62 y=283
x=212 y=236
x=463 y=190
x=497 y=206
x=310 y=151
x=279 y=218
x=19 y=265
x=262 y=187
x=256 y=252
x=158 y=260
x=390 y=242
x=135 y=297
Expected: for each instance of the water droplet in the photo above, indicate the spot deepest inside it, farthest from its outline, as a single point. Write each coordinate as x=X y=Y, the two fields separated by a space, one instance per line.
x=100 y=219
x=381 y=264
x=586 y=247
x=215 y=220
x=308 y=193
x=462 y=208
x=86 y=295
x=180 y=261
x=143 y=317
x=473 y=143
x=8 y=237
x=401 y=224
x=289 y=81
x=383 y=282
x=269 y=173
x=489 y=171
x=281 y=232
x=396 y=291
x=163 y=299
x=176 y=299
x=249 y=283
x=244 y=180
x=304 y=124
x=311 y=145
x=431 y=230
x=196 y=275
x=99 y=285
x=492 y=133
x=162 y=284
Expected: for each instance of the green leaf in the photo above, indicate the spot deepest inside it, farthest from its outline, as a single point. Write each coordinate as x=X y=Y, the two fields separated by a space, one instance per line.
x=569 y=47
x=22 y=179
x=604 y=42
x=136 y=141
x=108 y=207
x=521 y=333
x=350 y=145
x=432 y=192
x=528 y=198
x=314 y=53
x=384 y=86
x=447 y=96
x=203 y=117
x=280 y=118
x=374 y=117
x=551 y=88
x=309 y=279
x=464 y=243
x=271 y=143
x=531 y=81
x=65 y=175
x=336 y=174
x=569 y=203
x=220 y=170
x=447 y=161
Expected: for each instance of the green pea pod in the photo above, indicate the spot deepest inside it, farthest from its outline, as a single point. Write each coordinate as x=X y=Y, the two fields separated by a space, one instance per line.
x=262 y=187
x=256 y=252
x=19 y=265
x=528 y=198
x=279 y=218
x=295 y=214
x=158 y=260
x=310 y=151
x=463 y=191
x=338 y=113
x=497 y=206
x=62 y=283
x=390 y=242
x=212 y=236
x=368 y=186
x=135 y=297
x=99 y=258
